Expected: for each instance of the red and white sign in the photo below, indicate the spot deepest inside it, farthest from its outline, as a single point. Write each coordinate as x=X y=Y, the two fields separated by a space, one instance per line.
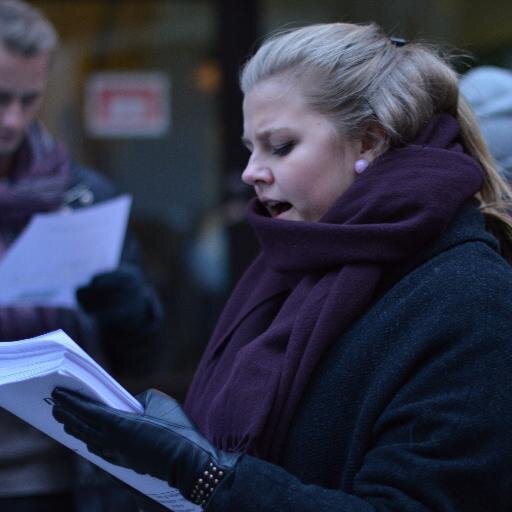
x=127 y=104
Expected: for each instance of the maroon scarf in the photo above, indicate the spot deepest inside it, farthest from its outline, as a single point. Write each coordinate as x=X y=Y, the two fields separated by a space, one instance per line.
x=37 y=182
x=313 y=280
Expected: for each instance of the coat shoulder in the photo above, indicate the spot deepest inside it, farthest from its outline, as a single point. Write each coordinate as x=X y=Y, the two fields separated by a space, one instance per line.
x=471 y=273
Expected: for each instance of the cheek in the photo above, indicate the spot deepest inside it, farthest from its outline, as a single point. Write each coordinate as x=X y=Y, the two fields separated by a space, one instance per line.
x=335 y=169
x=317 y=176
x=33 y=110
x=297 y=174
x=344 y=162
x=334 y=175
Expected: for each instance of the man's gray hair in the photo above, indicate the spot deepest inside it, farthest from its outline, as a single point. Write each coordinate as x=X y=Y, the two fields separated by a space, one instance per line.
x=25 y=30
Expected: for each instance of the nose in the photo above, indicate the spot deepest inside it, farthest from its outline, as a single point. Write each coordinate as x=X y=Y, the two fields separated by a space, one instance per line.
x=257 y=172
x=12 y=115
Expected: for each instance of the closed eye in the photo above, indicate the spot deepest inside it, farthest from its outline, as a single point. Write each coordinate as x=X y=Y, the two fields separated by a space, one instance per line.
x=29 y=99
x=283 y=149
x=5 y=98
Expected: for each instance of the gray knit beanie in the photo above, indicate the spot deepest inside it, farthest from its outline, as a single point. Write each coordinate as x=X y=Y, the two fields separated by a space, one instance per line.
x=488 y=91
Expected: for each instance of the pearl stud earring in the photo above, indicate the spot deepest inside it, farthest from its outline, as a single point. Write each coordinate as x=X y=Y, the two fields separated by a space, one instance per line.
x=361 y=165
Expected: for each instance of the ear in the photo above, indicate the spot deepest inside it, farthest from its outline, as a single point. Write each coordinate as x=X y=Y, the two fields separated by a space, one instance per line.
x=374 y=142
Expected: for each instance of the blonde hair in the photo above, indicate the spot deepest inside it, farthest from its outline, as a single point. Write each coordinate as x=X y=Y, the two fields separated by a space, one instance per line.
x=359 y=77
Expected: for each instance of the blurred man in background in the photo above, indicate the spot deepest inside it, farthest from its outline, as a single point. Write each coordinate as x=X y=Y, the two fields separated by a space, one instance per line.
x=119 y=310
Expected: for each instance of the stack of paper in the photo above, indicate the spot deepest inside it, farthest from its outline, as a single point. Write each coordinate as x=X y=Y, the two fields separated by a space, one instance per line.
x=30 y=370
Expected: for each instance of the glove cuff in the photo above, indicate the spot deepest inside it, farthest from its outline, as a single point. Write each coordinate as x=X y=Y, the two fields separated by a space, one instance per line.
x=210 y=477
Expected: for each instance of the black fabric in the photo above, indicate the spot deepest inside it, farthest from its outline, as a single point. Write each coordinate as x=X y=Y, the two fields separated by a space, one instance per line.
x=120 y=300
x=411 y=409
x=64 y=502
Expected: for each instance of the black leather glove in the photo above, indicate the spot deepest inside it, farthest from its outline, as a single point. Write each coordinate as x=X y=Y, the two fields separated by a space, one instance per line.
x=162 y=442
x=119 y=300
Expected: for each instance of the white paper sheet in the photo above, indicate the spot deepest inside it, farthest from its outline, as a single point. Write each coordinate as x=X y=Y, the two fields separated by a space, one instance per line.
x=57 y=252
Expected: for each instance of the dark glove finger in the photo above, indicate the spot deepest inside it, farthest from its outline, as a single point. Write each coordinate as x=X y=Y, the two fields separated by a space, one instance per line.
x=96 y=443
x=116 y=458
x=91 y=412
x=108 y=286
x=106 y=454
x=123 y=278
x=99 y=298
x=75 y=427
x=118 y=308
x=88 y=297
x=93 y=443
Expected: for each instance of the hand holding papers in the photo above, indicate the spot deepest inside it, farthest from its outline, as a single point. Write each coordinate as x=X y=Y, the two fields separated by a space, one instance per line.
x=31 y=369
x=57 y=252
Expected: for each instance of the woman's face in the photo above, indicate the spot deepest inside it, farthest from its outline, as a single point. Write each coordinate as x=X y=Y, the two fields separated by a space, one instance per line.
x=299 y=164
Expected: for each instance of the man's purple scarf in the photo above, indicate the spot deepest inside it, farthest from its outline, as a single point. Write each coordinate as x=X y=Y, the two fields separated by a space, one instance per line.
x=313 y=280
x=38 y=180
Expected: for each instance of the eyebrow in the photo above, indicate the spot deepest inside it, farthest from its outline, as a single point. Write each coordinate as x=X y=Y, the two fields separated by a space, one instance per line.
x=265 y=134
x=27 y=94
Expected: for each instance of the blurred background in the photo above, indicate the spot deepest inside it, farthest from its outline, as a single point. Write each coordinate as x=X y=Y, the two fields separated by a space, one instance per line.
x=146 y=92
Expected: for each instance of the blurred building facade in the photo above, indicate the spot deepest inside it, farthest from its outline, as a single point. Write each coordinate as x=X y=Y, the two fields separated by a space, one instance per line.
x=184 y=170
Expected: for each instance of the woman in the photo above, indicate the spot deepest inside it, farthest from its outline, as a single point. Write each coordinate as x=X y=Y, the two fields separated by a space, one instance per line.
x=362 y=362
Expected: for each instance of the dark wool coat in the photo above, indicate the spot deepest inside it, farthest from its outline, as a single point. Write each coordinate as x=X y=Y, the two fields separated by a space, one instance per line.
x=411 y=410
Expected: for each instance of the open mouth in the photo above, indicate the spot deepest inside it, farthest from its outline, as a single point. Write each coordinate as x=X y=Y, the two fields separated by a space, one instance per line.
x=276 y=208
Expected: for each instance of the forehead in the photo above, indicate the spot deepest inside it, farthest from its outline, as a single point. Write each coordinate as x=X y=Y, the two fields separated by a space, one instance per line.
x=274 y=90
x=272 y=101
x=20 y=73
x=279 y=106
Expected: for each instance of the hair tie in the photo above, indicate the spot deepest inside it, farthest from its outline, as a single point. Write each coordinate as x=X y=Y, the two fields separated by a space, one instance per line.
x=398 y=41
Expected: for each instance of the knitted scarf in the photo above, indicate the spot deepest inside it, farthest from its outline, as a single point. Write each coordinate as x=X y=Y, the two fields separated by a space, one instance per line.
x=312 y=280
x=37 y=181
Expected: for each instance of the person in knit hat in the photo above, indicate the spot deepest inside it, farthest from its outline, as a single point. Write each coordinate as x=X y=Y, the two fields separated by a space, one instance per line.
x=488 y=90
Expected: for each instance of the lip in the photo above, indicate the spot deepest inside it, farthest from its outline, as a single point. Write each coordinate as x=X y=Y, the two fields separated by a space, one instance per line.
x=268 y=202
x=265 y=200
x=270 y=205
